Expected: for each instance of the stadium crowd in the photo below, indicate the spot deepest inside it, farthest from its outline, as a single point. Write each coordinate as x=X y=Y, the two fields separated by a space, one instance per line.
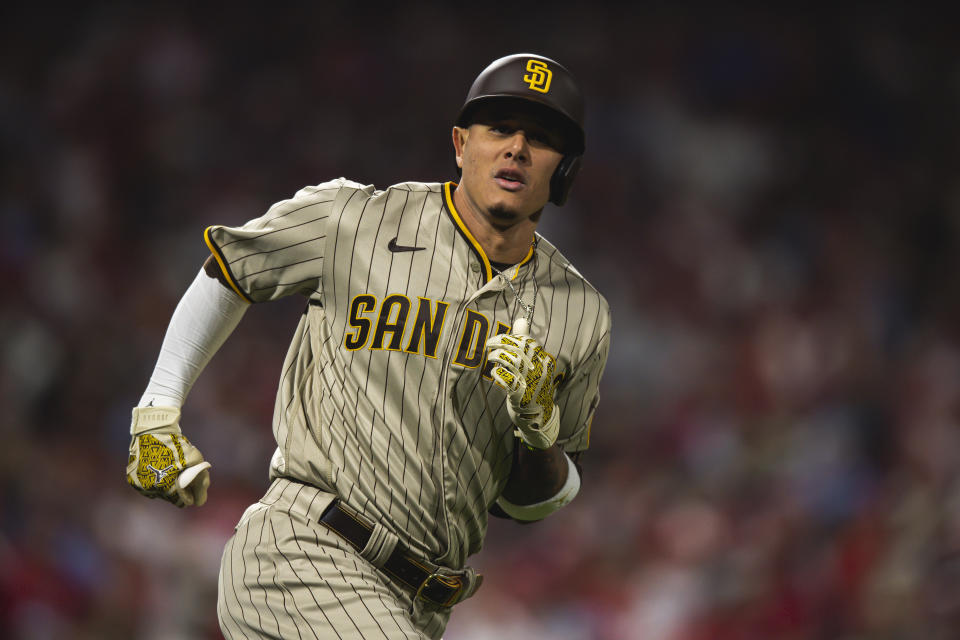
x=769 y=201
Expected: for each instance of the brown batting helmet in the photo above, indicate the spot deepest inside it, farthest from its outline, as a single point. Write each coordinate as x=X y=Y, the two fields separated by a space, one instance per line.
x=541 y=81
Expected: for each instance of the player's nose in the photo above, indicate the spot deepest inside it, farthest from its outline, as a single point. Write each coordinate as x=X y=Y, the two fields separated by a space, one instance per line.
x=518 y=147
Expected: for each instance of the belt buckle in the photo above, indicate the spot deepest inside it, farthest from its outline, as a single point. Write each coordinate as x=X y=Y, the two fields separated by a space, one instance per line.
x=451 y=582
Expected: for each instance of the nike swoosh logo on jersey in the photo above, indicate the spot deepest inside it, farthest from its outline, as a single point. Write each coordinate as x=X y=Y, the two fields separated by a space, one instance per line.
x=399 y=248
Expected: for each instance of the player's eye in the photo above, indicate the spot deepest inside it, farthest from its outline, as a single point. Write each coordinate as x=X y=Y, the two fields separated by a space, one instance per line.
x=543 y=138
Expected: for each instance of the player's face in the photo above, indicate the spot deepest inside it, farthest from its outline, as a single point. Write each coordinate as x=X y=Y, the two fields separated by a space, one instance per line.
x=507 y=159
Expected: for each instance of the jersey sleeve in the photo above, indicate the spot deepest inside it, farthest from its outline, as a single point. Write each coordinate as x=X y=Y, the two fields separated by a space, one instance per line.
x=578 y=396
x=281 y=252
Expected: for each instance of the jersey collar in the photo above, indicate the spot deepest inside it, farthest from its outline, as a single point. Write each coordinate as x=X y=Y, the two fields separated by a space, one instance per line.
x=458 y=222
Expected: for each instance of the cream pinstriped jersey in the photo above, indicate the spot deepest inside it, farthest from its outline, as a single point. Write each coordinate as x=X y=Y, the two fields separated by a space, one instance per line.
x=384 y=397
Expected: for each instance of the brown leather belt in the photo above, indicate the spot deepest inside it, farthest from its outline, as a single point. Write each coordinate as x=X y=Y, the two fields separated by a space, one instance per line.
x=413 y=574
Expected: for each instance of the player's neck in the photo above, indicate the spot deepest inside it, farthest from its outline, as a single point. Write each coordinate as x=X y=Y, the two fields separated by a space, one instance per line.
x=509 y=245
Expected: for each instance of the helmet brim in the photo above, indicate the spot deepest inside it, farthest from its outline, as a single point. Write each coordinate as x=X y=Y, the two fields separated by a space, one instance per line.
x=546 y=112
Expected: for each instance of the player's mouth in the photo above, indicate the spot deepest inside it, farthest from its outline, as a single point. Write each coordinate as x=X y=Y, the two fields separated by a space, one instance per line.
x=510 y=179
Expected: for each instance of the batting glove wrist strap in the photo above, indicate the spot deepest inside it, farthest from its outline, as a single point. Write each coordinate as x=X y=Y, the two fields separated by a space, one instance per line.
x=526 y=371
x=162 y=462
x=538 y=438
x=147 y=419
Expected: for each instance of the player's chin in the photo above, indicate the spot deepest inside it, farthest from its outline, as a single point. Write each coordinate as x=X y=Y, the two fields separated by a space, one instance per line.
x=511 y=210
x=503 y=217
x=504 y=213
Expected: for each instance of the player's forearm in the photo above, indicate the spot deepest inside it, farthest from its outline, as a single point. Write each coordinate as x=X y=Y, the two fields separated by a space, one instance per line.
x=536 y=475
x=540 y=482
x=206 y=315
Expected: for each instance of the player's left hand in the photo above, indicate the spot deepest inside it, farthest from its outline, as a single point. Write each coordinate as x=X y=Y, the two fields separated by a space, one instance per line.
x=525 y=370
x=163 y=463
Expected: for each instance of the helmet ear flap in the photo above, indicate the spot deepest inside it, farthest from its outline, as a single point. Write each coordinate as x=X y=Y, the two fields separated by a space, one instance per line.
x=562 y=179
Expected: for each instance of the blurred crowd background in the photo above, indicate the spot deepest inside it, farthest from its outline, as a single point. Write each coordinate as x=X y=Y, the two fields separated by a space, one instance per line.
x=769 y=200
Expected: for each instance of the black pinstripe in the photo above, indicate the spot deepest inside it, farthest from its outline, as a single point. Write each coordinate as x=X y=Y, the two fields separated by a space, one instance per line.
x=260 y=585
x=284 y=591
x=311 y=591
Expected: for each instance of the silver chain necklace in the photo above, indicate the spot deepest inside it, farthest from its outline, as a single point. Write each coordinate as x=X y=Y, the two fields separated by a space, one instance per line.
x=527 y=308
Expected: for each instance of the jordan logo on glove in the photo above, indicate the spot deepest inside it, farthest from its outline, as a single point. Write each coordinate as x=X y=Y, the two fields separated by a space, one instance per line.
x=161 y=473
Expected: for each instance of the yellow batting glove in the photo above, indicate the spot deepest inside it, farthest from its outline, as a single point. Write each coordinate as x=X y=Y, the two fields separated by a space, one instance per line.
x=163 y=463
x=526 y=371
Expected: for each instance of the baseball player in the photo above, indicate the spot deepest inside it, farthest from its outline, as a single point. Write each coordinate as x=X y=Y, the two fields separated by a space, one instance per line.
x=446 y=366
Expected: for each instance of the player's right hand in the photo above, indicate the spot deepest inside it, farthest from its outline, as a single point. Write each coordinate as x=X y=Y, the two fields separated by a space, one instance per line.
x=163 y=463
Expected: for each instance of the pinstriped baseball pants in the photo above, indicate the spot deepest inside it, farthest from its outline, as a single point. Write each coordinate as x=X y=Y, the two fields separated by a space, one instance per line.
x=285 y=575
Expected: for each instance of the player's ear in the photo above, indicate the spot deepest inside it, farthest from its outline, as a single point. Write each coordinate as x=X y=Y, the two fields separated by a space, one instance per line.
x=459 y=138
